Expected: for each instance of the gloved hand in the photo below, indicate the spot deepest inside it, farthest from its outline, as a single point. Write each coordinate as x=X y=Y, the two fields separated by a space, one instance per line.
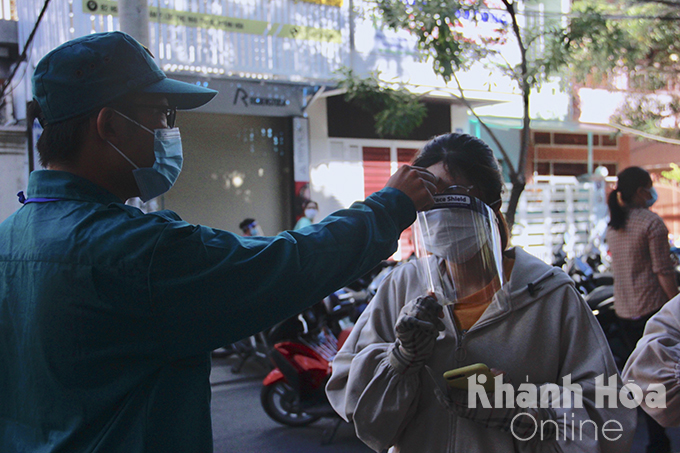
x=417 y=328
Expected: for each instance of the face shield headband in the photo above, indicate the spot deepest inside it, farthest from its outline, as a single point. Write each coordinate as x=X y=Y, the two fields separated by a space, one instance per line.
x=458 y=249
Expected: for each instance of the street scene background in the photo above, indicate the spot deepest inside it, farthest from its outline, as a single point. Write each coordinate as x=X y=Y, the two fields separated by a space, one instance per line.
x=240 y=425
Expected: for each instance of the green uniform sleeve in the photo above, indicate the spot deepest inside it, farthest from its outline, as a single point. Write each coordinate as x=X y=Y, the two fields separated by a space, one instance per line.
x=210 y=287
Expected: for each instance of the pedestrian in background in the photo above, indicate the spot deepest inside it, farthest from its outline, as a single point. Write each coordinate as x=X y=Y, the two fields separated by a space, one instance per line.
x=301 y=198
x=108 y=315
x=644 y=275
x=249 y=227
x=311 y=208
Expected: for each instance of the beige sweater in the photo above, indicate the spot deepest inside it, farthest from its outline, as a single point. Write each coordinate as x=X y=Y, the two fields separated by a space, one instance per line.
x=656 y=360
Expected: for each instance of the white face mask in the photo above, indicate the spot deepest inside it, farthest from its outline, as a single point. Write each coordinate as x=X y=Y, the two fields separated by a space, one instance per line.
x=310 y=213
x=453 y=234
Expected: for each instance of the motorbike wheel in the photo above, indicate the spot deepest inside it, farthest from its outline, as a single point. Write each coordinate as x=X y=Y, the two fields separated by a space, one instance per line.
x=280 y=402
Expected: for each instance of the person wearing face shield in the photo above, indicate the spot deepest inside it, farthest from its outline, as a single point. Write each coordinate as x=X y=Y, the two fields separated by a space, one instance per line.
x=644 y=274
x=108 y=315
x=467 y=299
x=249 y=227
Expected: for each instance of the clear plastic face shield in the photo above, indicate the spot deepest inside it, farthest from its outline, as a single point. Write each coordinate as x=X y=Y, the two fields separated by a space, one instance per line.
x=458 y=247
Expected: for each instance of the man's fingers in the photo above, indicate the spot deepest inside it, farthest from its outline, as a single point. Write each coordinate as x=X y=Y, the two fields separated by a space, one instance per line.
x=431 y=189
x=430 y=183
x=417 y=183
x=427 y=175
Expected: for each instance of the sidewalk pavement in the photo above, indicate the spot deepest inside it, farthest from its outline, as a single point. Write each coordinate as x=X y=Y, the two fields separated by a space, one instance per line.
x=223 y=366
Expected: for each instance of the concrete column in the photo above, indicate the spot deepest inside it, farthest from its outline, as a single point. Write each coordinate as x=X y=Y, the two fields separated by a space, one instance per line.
x=134 y=19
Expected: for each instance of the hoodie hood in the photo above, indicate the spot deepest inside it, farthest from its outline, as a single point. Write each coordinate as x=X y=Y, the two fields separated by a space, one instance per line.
x=530 y=281
x=532 y=278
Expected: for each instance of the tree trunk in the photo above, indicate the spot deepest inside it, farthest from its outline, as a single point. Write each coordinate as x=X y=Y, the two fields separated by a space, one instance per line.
x=519 y=179
x=517 y=188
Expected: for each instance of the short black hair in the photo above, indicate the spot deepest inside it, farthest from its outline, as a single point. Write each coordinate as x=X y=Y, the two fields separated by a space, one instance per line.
x=59 y=142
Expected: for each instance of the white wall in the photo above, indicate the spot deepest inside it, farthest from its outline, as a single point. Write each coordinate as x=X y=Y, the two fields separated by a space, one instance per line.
x=336 y=164
x=13 y=168
x=460 y=121
x=336 y=171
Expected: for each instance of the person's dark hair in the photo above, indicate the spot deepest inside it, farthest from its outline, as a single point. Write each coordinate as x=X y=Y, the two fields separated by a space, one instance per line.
x=308 y=202
x=245 y=223
x=628 y=182
x=468 y=156
x=58 y=142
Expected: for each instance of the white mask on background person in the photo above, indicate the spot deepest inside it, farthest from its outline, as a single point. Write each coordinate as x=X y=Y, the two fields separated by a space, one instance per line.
x=158 y=179
x=310 y=213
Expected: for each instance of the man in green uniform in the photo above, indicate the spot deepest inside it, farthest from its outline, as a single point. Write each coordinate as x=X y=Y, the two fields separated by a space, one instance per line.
x=108 y=315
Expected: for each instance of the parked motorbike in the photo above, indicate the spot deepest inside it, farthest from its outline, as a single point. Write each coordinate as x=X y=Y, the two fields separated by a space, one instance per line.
x=597 y=288
x=293 y=393
x=601 y=302
x=675 y=257
x=559 y=255
x=256 y=348
x=588 y=270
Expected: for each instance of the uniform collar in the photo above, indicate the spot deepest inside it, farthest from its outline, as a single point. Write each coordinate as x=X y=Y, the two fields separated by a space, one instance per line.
x=67 y=186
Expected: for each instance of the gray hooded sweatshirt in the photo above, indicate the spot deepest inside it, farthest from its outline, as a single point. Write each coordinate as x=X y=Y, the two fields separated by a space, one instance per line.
x=538 y=330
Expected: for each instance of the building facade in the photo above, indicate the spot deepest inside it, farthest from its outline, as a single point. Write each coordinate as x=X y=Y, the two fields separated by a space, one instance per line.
x=279 y=129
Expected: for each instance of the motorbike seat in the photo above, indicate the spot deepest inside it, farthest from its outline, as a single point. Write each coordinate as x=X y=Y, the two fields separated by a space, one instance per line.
x=598 y=295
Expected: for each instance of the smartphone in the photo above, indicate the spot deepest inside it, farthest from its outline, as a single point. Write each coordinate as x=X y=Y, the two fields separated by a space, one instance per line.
x=458 y=378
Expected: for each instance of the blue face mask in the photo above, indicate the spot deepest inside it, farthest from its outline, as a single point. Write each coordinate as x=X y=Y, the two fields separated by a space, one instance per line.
x=255 y=230
x=167 y=147
x=652 y=200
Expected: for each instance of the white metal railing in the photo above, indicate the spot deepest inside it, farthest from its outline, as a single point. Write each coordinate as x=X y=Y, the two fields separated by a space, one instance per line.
x=554 y=210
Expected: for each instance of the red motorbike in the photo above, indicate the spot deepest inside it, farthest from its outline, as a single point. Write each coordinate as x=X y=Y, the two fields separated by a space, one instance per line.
x=293 y=393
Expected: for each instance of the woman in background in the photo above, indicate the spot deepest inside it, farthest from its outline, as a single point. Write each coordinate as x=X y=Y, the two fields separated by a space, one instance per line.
x=311 y=208
x=644 y=275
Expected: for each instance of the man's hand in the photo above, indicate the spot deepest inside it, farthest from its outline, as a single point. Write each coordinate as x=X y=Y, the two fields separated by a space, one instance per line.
x=418 y=183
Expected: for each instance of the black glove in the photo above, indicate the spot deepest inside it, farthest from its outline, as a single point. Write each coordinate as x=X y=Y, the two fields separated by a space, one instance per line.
x=417 y=328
